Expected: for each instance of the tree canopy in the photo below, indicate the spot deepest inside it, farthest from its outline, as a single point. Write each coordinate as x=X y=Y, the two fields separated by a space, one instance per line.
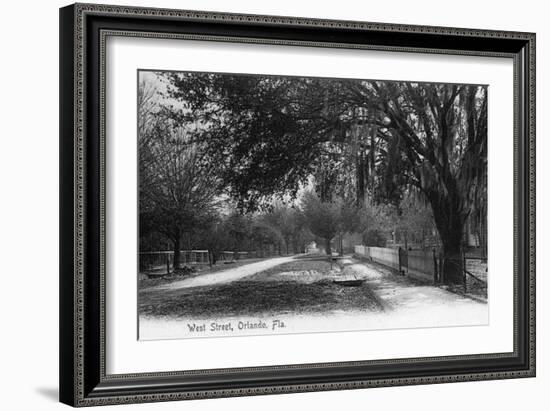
x=356 y=143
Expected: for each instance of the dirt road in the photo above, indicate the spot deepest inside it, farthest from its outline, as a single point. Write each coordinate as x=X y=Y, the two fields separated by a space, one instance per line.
x=226 y=276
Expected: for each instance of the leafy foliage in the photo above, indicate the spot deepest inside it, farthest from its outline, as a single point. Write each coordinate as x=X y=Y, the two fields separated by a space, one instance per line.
x=362 y=146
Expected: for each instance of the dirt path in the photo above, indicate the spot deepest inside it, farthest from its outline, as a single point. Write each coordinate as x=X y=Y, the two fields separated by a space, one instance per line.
x=400 y=292
x=226 y=276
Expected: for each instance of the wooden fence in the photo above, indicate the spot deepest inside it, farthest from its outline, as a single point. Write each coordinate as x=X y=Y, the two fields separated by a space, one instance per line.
x=421 y=265
x=162 y=261
x=426 y=265
x=391 y=257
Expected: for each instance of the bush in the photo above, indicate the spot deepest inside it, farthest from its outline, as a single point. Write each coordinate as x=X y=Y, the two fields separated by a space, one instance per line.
x=374 y=238
x=185 y=270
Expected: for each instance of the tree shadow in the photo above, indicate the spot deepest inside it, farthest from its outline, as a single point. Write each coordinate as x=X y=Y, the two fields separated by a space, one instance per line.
x=251 y=298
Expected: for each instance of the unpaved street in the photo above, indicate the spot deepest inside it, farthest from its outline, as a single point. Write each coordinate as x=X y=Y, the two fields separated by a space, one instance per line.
x=226 y=276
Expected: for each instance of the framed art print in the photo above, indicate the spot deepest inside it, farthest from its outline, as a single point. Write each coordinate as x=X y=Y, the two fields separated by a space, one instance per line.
x=262 y=204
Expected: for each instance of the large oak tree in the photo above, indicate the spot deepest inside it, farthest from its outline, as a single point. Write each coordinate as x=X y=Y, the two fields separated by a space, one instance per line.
x=377 y=139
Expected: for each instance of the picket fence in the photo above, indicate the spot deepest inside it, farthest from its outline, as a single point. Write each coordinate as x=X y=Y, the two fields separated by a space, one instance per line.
x=418 y=264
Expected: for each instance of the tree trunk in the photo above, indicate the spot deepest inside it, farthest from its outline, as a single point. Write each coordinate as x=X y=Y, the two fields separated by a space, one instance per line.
x=452 y=264
x=360 y=176
x=483 y=236
x=176 y=252
x=450 y=225
x=373 y=131
x=328 y=249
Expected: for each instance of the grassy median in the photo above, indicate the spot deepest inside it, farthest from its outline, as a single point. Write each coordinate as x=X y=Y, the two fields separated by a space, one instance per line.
x=299 y=287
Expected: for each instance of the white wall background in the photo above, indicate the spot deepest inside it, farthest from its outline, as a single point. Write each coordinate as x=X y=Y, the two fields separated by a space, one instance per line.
x=29 y=204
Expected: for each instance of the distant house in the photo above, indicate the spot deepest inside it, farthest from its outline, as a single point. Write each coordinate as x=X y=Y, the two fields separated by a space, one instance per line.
x=312 y=248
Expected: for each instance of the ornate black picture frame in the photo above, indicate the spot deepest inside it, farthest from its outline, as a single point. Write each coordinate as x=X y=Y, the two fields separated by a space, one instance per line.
x=83 y=32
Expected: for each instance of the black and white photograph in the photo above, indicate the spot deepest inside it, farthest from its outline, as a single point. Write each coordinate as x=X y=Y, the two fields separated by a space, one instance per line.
x=283 y=204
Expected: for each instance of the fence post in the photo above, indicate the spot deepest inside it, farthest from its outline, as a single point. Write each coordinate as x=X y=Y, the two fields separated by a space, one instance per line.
x=441 y=264
x=464 y=270
x=436 y=275
x=399 y=259
x=168 y=262
x=402 y=257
